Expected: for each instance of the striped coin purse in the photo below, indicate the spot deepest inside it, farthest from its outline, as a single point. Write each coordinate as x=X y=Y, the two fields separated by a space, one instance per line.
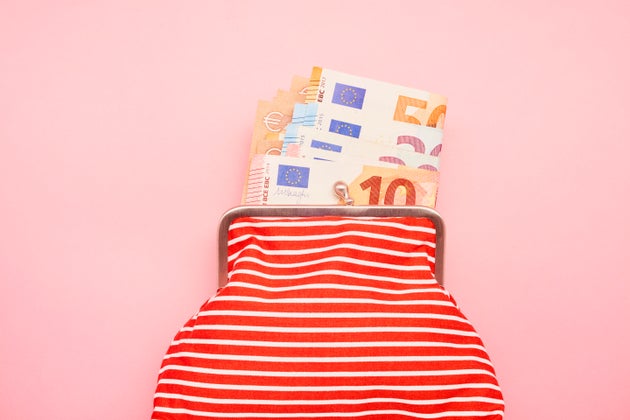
x=329 y=315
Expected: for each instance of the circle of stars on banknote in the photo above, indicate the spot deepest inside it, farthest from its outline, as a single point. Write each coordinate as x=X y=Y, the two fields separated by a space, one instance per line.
x=293 y=176
x=345 y=129
x=349 y=96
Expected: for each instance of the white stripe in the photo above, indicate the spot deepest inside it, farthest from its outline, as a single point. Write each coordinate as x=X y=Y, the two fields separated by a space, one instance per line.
x=352 y=275
x=353 y=247
x=335 y=315
x=328 y=344
x=237 y=401
x=333 y=286
x=356 y=261
x=300 y=222
x=326 y=374
x=222 y=298
x=333 y=414
x=323 y=388
x=322 y=237
x=329 y=330
x=344 y=359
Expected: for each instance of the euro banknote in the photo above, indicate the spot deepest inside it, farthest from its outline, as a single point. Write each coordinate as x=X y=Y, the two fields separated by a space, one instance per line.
x=272 y=116
x=421 y=139
x=385 y=101
x=365 y=109
x=382 y=140
x=313 y=144
x=276 y=180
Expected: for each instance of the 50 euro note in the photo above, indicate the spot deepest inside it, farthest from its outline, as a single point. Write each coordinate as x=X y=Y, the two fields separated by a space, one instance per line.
x=275 y=180
x=361 y=126
x=388 y=101
x=371 y=110
x=313 y=144
x=273 y=116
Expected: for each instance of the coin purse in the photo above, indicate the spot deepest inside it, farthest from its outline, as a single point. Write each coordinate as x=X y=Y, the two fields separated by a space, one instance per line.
x=329 y=312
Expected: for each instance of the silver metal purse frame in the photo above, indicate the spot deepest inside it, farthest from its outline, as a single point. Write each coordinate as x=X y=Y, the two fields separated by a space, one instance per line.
x=342 y=211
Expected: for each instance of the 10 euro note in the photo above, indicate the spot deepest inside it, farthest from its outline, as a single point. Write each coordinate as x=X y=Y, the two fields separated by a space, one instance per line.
x=283 y=180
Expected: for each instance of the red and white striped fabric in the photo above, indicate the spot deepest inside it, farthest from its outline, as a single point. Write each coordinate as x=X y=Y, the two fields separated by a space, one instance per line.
x=326 y=318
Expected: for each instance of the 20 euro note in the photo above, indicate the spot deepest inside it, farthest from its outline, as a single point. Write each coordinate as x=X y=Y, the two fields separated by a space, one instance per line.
x=313 y=144
x=276 y=180
x=419 y=139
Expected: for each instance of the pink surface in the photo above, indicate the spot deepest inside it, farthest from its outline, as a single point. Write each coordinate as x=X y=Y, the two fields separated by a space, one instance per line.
x=124 y=132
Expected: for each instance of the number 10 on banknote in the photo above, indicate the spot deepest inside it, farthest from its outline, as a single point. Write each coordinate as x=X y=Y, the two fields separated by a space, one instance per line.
x=285 y=180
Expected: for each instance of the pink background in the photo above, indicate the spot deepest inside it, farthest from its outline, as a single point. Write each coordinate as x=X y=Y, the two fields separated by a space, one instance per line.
x=124 y=133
